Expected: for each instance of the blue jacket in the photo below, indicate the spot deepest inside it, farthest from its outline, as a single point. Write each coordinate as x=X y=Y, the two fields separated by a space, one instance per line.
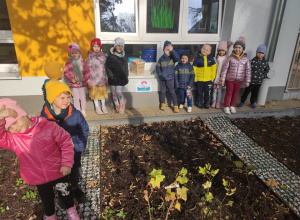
x=165 y=66
x=74 y=123
x=184 y=75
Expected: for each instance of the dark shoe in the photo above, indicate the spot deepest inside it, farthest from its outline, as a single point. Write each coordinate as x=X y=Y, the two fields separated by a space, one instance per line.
x=200 y=105
x=253 y=106
x=206 y=105
x=79 y=195
x=241 y=105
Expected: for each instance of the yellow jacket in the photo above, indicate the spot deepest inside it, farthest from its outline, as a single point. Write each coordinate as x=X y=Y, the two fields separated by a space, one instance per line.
x=205 y=68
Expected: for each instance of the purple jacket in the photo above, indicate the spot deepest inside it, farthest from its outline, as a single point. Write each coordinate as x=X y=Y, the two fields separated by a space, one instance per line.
x=236 y=70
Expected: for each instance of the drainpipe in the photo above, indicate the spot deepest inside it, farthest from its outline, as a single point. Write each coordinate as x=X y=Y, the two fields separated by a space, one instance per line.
x=272 y=43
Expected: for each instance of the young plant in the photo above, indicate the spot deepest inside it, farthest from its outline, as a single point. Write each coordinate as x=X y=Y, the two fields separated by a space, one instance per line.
x=121 y=214
x=208 y=197
x=229 y=192
x=20 y=181
x=155 y=180
x=2 y=209
x=107 y=214
x=180 y=193
x=29 y=195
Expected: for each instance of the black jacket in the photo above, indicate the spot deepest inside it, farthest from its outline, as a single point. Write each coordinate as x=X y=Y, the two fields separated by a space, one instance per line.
x=259 y=70
x=117 y=70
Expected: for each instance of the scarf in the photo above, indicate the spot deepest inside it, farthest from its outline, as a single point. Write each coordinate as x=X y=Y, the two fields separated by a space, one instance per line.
x=238 y=57
x=77 y=68
x=60 y=117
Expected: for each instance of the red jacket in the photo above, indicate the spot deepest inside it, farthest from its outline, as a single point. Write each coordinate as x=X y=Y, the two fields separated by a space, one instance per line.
x=41 y=151
x=236 y=70
x=69 y=75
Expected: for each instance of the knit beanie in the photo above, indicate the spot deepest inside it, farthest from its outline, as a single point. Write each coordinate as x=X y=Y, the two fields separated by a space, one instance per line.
x=185 y=53
x=224 y=45
x=119 y=42
x=241 y=41
x=96 y=41
x=166 y=44
x=261 y=49
x=74 y=46
x=53 y=70
x=54 y=89
x=12 y=104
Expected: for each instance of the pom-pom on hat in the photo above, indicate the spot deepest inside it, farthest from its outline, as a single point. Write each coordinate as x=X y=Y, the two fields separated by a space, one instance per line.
x=53 y=70
x=12 y=104
x=54 y=89
x=119 y=42
x=96 y=41
x=224 y=45
x=241 y=41
x=74 y=46
x=185 y=53
x=261 y=49
x=166 y=43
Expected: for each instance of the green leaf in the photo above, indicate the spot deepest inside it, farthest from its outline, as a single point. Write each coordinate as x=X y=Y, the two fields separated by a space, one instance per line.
x=183 y=172
x=214 y=172
x=182 y=193
x=208 y=166
x=155 y=172
x=255 y=213
x=225 y=182
x=209 y=196
x=239 y=164
x=202 y=170
x=24 y=197
x=230 y=203
x=207 y=185
x=182 y=179
x=252 y=167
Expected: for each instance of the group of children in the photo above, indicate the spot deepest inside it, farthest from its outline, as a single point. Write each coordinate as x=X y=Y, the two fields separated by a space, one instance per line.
x=209 y=73
x=49 y=147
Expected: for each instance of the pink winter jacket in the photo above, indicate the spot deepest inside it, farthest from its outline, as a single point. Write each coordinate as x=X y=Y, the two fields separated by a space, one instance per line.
x=69 y=75
x=236 y=70
x=42 y=152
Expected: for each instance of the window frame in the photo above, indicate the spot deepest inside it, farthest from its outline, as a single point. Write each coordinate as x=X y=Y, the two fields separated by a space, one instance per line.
x=8 y=71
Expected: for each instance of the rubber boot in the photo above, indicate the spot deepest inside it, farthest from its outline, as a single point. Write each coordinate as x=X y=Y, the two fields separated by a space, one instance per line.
x=218 y=104
x=163 y=106
x=72 y=213
x=52 y=217
x=176 y=109
x=213 y=105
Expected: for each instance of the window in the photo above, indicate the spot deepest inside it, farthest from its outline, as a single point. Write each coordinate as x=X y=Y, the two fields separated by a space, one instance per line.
x=294 y=75
x=8 y=59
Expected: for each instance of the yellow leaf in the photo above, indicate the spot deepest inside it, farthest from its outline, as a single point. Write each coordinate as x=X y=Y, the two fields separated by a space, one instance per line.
x=272 y=183
x=148 y=137
x=283 y=186
x=178 y=206
x=230 y=203
x=182 y=193
x=206 y=185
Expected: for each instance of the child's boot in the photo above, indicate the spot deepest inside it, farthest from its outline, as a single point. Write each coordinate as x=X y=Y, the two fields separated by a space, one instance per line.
x=176 y=109
x=213 y=104
x=189 y=109
x=117 y=108
x=52 y=217
x=163 y=106
x=72 y=213
x=104 y=109
x=218 y=104
x=122 y=108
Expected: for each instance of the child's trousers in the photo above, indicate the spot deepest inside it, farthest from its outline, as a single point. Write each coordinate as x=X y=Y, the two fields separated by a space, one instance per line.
x=217 y=93
x=253 y=88
x=79 y=98
x=117 y=95
x=232 y=91
x=185 y=93
x=76 y=171
x=163 y=88
x=46 y=192
x=203 y=87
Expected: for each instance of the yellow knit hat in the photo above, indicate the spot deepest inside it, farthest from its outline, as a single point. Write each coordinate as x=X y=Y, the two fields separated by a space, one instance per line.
x=54 y=89
x=53 y=70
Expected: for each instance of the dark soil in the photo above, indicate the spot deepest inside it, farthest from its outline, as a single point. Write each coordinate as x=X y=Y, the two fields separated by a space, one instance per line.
x=130 y=153
x=279 y=136
x=12 y=206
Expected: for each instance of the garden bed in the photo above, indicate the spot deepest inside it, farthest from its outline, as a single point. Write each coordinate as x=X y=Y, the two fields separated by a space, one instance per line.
x=130 y=153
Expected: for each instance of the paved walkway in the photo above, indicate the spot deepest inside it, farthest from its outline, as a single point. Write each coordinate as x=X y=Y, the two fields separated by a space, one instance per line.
x=241 y=145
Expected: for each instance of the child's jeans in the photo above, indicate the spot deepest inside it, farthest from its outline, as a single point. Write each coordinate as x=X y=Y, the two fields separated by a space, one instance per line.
x=253 y=88
x=203 y=87
x=79 y=97
x=163 y=88
x=47 y=195
x=76 y=171
x=232 y=91
x=185 y=93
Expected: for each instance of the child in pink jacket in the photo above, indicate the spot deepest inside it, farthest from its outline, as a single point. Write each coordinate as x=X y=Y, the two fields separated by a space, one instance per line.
x=235 y=70
x=77 y=72
x=45 y=153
